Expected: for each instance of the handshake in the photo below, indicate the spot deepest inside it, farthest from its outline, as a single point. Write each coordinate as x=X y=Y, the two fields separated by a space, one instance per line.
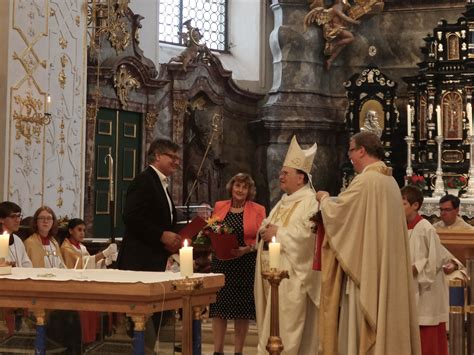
x=110 y=254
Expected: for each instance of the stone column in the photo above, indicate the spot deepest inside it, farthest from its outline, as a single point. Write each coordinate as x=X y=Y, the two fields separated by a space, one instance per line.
x=300 y=102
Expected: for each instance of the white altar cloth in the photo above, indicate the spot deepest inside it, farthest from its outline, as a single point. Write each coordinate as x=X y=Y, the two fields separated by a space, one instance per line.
x=96 y=275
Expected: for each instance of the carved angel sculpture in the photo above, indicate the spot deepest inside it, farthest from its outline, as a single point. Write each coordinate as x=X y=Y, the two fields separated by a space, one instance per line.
x=334 y=20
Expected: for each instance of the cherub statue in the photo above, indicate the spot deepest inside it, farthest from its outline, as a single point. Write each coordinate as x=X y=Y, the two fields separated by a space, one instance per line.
x=371 y=123
x=191 y=38
x=334 y=20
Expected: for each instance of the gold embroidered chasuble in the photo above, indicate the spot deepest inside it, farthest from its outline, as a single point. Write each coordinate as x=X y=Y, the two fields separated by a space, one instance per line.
x=366 y=240
x=291 y=214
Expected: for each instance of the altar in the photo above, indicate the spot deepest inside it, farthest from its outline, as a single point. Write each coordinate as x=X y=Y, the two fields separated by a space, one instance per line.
x=138 y=294
x=430 y=207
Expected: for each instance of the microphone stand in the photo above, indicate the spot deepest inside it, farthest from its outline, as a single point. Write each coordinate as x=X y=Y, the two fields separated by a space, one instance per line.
x=111 y=196
x=216 y=120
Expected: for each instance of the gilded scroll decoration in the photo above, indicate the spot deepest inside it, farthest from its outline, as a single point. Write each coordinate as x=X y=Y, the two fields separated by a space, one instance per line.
x=119 y=37
x=124 y=81
x=150 y=120
x=29 y=121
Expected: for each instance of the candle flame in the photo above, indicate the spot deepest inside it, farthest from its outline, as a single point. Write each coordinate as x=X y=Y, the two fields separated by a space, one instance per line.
x=49 y=99
x=273 y=239
x=185 y=244
x=5 y=234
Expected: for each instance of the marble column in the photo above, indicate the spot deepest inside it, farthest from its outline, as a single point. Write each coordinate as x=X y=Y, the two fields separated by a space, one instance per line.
x=300 y=102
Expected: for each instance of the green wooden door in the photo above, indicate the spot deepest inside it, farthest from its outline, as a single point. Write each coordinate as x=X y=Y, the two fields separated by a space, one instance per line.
x=119 y=134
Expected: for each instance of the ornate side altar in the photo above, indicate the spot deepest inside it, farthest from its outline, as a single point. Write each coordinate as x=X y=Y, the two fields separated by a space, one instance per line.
x=138 y=294
x=430 y=207
x=439 y=115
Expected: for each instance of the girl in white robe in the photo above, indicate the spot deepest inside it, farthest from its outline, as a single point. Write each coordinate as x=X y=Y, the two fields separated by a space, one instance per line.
x=75 y=253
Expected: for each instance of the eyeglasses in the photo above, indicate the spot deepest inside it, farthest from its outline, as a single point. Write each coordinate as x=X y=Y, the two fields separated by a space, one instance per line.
x=173 y=157
x=351 y=150
x=16 y=215
x=45 y=219
x=446 y=209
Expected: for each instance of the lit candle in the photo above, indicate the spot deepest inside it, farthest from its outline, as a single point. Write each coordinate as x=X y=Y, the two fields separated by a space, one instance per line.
x=409 y=120
x=469 y=117
x=274 y=254
x=438 y=120
x=186 y=259
x=4 y=245
x=48 y=103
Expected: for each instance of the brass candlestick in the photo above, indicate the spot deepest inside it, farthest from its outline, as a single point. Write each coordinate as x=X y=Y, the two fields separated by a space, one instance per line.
x=274 y=277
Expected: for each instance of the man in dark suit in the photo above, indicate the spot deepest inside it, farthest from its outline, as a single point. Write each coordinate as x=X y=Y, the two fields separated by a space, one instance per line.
x=149 y=214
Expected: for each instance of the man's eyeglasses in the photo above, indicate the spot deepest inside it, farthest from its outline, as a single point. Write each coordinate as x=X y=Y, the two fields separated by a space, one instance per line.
x=351 y=150
x=173 y=157
x=46 y=219
x=446 y=209
x=16 y=215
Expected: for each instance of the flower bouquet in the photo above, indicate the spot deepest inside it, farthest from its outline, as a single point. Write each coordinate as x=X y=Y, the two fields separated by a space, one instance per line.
x=218 y=234
x=213 y=225
x=416 y=180
x=455 y=182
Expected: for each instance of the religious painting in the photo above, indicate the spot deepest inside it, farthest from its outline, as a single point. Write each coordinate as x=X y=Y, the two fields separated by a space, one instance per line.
x=453 y=46
x=372 y=117
x=423 y=109
x=452 y=112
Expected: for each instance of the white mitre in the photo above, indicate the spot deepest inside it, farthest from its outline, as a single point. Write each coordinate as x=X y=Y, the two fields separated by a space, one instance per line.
x=298 y=158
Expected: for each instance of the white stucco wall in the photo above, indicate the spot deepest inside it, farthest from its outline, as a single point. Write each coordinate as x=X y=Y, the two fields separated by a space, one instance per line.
x=46 y=56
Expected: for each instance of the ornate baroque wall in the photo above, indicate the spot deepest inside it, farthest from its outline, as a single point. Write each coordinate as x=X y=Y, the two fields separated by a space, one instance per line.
x=46 y=56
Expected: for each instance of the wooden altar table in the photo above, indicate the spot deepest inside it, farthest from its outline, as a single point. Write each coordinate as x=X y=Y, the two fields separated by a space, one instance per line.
x=138 y=294
x=459 y=243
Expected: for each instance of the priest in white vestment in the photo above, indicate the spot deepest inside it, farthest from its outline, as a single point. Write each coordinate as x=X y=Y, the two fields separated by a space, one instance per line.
x=366 y=264
x=289 y=222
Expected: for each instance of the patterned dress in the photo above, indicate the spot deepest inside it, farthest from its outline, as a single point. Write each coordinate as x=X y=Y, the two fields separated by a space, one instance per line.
x=235 y=300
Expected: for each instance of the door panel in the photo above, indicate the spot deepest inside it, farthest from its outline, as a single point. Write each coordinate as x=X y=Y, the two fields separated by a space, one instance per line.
x=118 y=134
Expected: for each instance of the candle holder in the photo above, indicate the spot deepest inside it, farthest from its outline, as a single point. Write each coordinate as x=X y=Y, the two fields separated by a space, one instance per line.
x=439 y=185
x=274 y=277
x=470 y=185
x=5 y=267
x=409 y=140
x=187 y=286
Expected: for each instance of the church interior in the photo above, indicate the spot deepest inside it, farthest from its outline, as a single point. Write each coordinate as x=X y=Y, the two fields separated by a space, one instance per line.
x=90 y=84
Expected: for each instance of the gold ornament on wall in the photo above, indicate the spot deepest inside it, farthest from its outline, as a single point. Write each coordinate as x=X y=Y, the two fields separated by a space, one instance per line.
x=124 y=81
x=29 y=121
x=150 y=120
x=62 y=75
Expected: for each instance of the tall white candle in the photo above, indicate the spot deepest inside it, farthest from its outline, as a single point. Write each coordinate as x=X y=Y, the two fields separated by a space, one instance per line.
x=409 y=120
x=274 y=254
x=469 y=117
x=438 y=120
x=186 y=260
x=4 y=244
x=48 y=104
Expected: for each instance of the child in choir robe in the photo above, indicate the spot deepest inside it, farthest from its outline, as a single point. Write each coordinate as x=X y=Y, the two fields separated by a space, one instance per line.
x=41 y=246
x=429 y=258
x=10 y=217
x=75 y=254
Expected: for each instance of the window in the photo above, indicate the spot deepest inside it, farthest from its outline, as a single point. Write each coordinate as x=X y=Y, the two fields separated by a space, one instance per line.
x=210 y=16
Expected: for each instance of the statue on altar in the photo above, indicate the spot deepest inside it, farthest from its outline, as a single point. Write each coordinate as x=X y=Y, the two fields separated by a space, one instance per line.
x=193 y=48
x=371 y=123
x=334 y=22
